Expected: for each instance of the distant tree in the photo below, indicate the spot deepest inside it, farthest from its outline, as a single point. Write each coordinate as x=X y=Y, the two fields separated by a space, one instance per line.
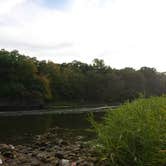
x=26 y=79
x=19 y=79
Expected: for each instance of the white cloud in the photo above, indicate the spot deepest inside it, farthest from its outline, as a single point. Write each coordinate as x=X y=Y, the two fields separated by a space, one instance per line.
x=124 y=33
x=8 y=5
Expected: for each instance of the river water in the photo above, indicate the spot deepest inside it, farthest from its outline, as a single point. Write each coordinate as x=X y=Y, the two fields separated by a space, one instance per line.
x=21 y=126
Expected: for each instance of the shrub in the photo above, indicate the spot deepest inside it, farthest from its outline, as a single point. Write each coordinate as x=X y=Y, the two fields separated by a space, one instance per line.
x=134 y=134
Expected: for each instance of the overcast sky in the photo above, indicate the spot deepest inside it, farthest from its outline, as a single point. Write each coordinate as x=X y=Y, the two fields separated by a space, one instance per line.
x=125 y=33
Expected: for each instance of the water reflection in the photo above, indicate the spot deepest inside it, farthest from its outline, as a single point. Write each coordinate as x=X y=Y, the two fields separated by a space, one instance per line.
x=21 y=129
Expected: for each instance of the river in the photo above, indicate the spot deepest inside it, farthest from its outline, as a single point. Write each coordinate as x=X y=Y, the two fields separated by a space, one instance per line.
x=21 y=126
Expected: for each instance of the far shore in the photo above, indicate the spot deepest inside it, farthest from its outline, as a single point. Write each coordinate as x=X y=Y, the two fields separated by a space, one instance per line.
x=27 y=107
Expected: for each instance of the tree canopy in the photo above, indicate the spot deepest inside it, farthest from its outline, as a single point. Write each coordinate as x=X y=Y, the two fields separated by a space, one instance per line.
x=26 y=79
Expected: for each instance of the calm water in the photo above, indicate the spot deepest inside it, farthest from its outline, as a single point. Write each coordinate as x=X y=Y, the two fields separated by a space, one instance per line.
x=20 y=127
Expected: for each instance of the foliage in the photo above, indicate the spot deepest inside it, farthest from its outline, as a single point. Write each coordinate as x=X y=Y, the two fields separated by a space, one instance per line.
x=25 y=78
x=134 y=133
x=20 y=80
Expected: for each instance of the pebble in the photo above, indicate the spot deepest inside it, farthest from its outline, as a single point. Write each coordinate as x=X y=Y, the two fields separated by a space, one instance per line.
x=1 y=162
x=12 y=147
x=49 y=150
x=64 y=162
x=59 y=154
x=35 y=162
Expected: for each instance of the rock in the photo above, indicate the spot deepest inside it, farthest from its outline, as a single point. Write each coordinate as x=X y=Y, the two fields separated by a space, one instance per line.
x=8 y=154
x=22 y=159
x=42 y=156
x=59 y=141
x=80 y=137
x=1 y=162
x=34 y=153
x=62 y=142
x=46 y=157
x=64 y=162
x=12 y=147
x=59 y=155
x=50 y=159
x=80 y=160
x=4 y=147
x=85 y=163
x=42 y=148
x=29 y=149
x=56 y=147
x=19 y=147
x=93 y=159
x=50 y=149
x=35 y=162
x=73 y=164
x=41 y=143
x=55 y=162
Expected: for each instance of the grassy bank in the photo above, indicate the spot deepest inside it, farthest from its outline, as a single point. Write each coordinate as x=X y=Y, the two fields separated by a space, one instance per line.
x=134 y=134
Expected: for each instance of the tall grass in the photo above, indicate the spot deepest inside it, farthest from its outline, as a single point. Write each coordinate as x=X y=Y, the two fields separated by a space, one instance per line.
x=134 y=134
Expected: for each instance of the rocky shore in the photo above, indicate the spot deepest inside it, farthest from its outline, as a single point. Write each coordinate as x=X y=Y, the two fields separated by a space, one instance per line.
x=53 y=148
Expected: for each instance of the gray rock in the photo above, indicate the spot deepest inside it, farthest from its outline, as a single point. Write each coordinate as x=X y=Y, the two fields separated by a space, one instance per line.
x=59 y=155
x=1 y=162
x=8 y=154
x=35 y=162
x=64 y=162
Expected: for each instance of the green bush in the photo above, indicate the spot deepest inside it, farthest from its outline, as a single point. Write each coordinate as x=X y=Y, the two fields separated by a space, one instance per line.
x=134 y=134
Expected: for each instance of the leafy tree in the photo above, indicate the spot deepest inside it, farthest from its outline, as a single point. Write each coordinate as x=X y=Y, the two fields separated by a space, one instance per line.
x=26 y=79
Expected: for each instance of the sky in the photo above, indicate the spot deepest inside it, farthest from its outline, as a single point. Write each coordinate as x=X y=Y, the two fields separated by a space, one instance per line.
x=125 y=33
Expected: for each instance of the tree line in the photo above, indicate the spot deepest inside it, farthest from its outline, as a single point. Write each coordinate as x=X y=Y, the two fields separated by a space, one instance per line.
x=28 y=80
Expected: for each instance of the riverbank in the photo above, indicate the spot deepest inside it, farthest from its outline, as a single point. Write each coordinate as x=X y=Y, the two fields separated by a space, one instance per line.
x=20 y=108
x=52 y=148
